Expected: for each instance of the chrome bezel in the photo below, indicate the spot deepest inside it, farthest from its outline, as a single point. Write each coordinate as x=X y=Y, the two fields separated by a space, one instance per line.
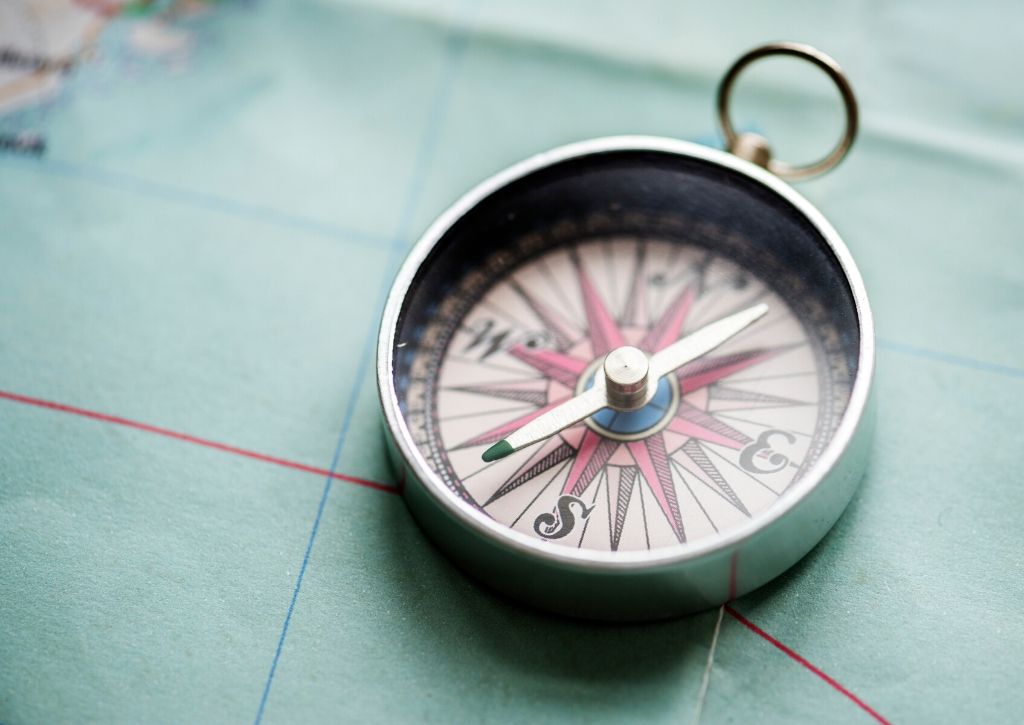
x=598 y=561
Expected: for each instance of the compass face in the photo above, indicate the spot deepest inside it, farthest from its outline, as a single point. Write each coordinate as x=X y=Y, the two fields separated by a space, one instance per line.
x=721 y=440
x=519 y=320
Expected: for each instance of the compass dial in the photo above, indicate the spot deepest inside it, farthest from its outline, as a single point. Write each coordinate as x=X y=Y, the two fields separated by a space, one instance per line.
x=721 y=440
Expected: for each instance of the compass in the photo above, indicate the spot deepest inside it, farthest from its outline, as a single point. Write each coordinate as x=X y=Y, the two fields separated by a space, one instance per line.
x=629 y=378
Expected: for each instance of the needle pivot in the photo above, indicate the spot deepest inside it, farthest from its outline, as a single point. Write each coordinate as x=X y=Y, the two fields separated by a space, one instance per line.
x=627 y=376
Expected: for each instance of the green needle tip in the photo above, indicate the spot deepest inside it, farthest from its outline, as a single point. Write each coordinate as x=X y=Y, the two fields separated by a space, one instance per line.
x=498 y=450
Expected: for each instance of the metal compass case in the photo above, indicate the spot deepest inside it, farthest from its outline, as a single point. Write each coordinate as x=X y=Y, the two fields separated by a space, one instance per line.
x=629 y=378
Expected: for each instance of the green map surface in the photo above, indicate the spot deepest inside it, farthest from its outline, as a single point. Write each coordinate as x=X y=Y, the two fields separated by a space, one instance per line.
x=200 y=213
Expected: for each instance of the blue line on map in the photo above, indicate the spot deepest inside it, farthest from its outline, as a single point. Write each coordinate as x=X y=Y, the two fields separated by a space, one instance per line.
x=454 y=50
x=455 y=47
x=302 y=569
x=176 y=194
x=950 y=359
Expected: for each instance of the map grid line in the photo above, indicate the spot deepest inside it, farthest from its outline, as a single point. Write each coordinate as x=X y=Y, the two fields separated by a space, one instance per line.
x=455 y=46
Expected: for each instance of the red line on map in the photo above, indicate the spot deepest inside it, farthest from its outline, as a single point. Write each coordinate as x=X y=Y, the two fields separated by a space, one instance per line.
x=732 y=574
x=285 y=463
x=792 y=654
x=104 y=8
x=127 y=423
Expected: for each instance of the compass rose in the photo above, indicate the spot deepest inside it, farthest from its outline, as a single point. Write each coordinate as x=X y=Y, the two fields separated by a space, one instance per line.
x=671 y=430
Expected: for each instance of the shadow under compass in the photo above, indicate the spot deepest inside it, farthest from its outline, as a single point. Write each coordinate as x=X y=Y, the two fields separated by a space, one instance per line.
x=514 y=651
x=834 y=563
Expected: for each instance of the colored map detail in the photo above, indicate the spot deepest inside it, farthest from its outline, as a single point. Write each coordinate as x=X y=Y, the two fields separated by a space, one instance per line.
x=51 y=49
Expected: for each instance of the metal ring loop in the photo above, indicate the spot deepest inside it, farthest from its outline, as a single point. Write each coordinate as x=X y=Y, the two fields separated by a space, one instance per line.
x=827 y=64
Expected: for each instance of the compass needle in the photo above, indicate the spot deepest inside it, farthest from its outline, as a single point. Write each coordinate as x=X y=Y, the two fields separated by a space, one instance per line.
x=624 y=368
x=705 y=340
x=568 y=413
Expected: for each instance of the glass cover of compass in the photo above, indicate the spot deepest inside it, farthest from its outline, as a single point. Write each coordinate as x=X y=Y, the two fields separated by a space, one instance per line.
x=723 y=473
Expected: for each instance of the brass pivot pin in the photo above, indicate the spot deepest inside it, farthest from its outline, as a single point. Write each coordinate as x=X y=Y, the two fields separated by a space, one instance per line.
x=627 y=376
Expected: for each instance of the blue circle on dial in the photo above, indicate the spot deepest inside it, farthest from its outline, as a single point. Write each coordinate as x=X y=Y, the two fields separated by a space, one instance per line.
x=635 y=421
